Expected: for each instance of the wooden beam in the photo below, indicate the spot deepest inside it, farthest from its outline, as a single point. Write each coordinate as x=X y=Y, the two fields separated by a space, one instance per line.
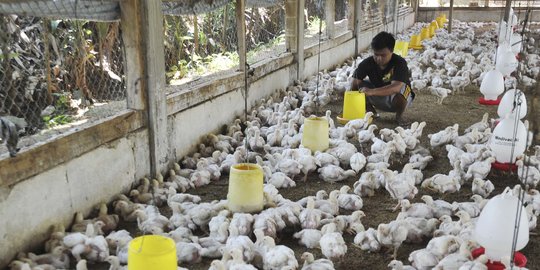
x=351 y=14
x=241 y=33
x=291 y=27
x=328 y=44
x=507 y=11
x=51 y=153
x=396 y=9
x=300 y=57
x=133 y=68
x=330 y=17
x=151 y=16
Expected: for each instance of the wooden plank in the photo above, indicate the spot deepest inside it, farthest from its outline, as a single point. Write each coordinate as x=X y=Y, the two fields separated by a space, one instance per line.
x=241 y=33
x=450 y=16
x=51 y=153
x=133 y=68
x=330 y=17
x=182 y=98
x=154 y=76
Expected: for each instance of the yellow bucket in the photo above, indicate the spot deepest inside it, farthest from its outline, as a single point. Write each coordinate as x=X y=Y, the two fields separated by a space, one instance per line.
x=440 y=21
x=431 y=30
x=416 y=42
x=354 y=105
x=152 y=252
x=245 y=188
x=424 y=33
x=315 y=136
x=435 y=24
x=401 y=48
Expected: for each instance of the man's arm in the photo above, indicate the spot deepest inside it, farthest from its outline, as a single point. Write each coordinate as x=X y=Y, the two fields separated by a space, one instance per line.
x=356 y=84
x=387 y=90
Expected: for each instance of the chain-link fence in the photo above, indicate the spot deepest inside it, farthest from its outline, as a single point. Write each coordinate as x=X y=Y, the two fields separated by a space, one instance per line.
x=479 y=3
x=53 y=71
x=202 y=44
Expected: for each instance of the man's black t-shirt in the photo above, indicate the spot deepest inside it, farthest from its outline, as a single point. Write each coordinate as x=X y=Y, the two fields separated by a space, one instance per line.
x=396 y=70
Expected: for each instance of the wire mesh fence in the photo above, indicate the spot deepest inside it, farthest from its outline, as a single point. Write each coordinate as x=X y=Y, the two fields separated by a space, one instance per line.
x=202 y=44
x=53 y=71
x=479 y=3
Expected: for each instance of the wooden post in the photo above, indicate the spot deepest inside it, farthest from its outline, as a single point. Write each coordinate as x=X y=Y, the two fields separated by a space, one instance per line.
x=358 y=14
x=142 y=30
x=330 y=17
x=450 y=15
x=396 y=7
x=351 y=15
x=300 y=39
x=241 y=33
x=291 y=25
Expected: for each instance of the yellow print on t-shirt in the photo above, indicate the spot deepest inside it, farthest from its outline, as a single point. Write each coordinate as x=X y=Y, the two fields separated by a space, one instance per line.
x=388 y=76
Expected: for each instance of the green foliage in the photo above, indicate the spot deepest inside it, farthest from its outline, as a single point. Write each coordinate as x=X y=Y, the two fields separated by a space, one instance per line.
x=60 y=116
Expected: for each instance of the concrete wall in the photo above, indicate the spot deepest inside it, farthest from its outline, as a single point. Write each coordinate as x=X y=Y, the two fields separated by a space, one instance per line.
x=30 y=207
x=469 y=14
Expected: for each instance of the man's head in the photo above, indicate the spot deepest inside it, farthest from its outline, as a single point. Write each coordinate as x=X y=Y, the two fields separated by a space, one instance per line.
x=383 y=47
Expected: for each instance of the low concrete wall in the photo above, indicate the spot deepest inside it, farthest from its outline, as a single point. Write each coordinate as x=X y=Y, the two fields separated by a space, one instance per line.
x=30 y=207
x=470 y=14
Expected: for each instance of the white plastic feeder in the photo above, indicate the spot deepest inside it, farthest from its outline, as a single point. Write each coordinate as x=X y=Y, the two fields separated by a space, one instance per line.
x=492 y=85
x=495 y=226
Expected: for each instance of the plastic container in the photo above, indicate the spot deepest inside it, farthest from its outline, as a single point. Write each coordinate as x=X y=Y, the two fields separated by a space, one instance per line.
x=502 y=142
x=495 y=226
x=508 y=105
x=424 y=33
x=354 y=105
x=492 y=84
x=401 y=48
x=416 y=42
x=315 y=135
x=152 y=252
x=435 y=24
x=245 y=188
x=432 y=30
x=440 y=21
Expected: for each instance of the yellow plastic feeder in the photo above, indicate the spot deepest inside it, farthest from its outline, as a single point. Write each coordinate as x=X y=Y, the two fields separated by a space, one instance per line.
x=401 y=48
x=354 y=106
x=440 y=21
x=152 y=252
x=431 y=30
x=245 y=188
x=315 y=136
x=416 y=42
x=424 y=33
x=435 y=24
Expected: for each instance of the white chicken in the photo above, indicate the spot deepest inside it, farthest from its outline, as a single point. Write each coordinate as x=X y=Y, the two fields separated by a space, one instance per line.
x=308 y=237
x=278 y=256
x=311 y=264
x=366 y=135
x=481 y=125
x=442 y=183
x=482 y=187
x=398 y=265
x=332 y=173
x=439 y=92
x=332 y=244
x=479 y=169
x=349 y=201
x=392 y=234
x=367 y=240
x=358 y=161
x=448 y=135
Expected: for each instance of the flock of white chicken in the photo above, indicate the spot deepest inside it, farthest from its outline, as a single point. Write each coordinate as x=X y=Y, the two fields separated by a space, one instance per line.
x=272 y=139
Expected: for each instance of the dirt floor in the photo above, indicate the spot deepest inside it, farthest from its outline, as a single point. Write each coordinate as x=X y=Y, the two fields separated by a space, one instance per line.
x=461 y=108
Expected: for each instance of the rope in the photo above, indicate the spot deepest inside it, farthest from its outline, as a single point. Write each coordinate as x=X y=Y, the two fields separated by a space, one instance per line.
x=246 y=108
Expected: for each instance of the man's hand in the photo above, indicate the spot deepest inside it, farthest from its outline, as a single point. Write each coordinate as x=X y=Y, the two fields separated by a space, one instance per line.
x=366 y=91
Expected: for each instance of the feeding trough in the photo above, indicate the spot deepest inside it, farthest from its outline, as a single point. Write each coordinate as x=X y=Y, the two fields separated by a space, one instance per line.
x=354 y=106
x=315 y=135
x=416 y=42
x=245 y=188
x=496 y=226
x=152 y=252
x=491 y=87
x=424 y=33
x=401 y=48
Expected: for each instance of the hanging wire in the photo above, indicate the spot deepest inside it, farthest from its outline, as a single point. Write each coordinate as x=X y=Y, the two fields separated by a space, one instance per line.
x=246 y=68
